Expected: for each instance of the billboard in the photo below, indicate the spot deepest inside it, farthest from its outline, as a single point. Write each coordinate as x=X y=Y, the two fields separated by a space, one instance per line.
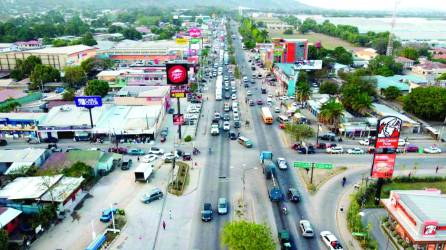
x=177 y=73
x=178 y=93
x=181 y=41
x=383 y=165
x=194 y=32
x=88 y=101
x=178 y=119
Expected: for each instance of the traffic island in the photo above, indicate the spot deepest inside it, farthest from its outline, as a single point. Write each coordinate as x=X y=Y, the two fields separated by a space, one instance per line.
x=320 y=176
x=180 y=178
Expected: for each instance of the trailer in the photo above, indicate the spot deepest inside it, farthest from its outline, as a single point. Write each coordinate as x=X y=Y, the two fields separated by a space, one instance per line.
x=143 y=172
x=269 y=169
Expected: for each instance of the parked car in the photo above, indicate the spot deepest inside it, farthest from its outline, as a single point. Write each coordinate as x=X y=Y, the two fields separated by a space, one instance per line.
x=432 y=150
x=149 y=158
x=154 y=194
x=106 y=215
x=156 y=151
x=3 y=142
x=306 y=229
x=335 y=150
x=222 y=206
x=294 y=195
x=135 y=151
x=412 y=148
x=303 y=150
x=330 y=137
x=364 y=142
x=355 y=151
x=187 y=157
x=282 y=163
x=207 y=213
x=330 y=241
x=126 y=164
x=118 y=150
x=50 y=140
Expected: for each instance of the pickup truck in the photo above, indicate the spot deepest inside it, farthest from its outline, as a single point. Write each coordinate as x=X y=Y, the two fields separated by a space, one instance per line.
x=215 y=130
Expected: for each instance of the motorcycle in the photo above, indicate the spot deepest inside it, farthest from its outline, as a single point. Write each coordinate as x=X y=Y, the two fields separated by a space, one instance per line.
x=196 y=151
x=284 y=210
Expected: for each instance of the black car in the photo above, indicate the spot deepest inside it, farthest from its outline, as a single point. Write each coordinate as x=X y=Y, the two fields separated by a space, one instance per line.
x=303 y=150
x=50 y=140
x=3 y=142
x=233 y=135
x=207 y=213
x=227 y=95
x=236 y=124
x=293 y=195
x=126 y=164
x=246 y=85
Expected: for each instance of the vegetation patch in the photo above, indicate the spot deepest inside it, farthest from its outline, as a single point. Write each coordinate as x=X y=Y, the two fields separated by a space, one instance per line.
x=179 y=183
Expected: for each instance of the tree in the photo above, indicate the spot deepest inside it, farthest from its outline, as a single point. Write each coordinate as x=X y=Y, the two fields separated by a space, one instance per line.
x=74 y=76
x=43 y=74
x=299 y=131
x=307 y=25
x=409 y=52
x=79 y=169
x=342 y=56
x=68 y=95
x=362 y=103
x=303 y=91
x=357 y=92
x=24 y=68
x=288 y=32
x=59 y=43
x=427 y=103
x=328 y=87
x=441 y=77
x=87 y=39
x=97 y=87
x=241 y=235
x=331 y=112
x=385 y=66
x=4 y=239
x=93 y=65
x=391 y=93
x=131 y=34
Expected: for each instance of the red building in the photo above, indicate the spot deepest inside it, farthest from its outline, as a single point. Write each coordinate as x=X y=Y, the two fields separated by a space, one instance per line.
x=290 y=50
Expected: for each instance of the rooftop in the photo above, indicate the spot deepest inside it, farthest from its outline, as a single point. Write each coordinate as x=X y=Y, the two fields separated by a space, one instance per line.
x=431 y=65
x=8 y=214
x=402 y=59
x=70 y=115
x=146 y=91
x=384 y=110
x=21 y=155
x=63 y=189
x=61 y=160
x=426 y=205
x=160 y=44
x=23 y=116
x=28 y=187
x=5 y=94
x=62 y=50
x=385 y=82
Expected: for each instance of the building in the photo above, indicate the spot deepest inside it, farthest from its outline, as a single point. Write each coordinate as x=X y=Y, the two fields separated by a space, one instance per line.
x=287 y=74
x=439 y=53
x=144 y=96
x=14 y=159
x=429 y=69
x=406 y=62
x=419 y=217
x=405 y=83
x=409 y=125
x=366 y=54
x=30 y=194
x=151 y=75
x=18 y=125
x=9 y=219
x=6 y=47
x=28 y=45
x=290 y=50
x=57 y=57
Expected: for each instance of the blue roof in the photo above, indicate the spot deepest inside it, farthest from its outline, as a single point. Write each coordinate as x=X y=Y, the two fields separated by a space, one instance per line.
x=385 y=82
x=287 y=68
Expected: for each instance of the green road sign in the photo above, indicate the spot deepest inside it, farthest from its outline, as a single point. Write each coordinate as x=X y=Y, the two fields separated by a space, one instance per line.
x=302 y=164
x=194 y=40
x=359 y=234
x=323 y=165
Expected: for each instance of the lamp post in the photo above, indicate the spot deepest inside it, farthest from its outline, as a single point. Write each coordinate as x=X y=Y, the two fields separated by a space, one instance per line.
x=243 y=179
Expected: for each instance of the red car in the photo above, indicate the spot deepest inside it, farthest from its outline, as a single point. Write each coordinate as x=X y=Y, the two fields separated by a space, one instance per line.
x=412 y=148
x=296 y=146
x=118 y=150
x=259 y=102
x=282 y=126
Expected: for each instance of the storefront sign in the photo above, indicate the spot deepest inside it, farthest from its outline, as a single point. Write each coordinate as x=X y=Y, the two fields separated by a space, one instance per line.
x=178 y=93
x=181 y=41
x=389 y=129
x=430 y=228
x=177 y=73
x=194 y=32
x=178 y=119
x=383 y=165
x=88 y=101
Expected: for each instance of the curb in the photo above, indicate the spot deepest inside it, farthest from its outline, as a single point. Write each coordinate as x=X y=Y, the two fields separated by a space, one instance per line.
x=350 y=242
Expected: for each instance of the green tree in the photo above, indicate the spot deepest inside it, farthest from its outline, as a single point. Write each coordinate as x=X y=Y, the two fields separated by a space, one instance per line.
x=362 y=103
x=24 y=68
x=307 y=25
x=288 y=32
x=59 y=43
x=391 y=93
x=87 y=39
x=241 y=235
x=342 y=56
x=303 y=91
x=357 y=92
x=68 y=95
x=331 y=112
x=132 y=34
x=299 y=132
x=328 y=87
x=79 y=169
x=93 y=65
x=409 y=52
x=4 y=239
x=74 y=76
x=441 y=77
x=43 y=74
x=97 y=87
x=427 y=103
x=385 y=66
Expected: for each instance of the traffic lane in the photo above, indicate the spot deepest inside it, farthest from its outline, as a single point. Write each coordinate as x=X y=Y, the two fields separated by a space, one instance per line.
x=373 y=216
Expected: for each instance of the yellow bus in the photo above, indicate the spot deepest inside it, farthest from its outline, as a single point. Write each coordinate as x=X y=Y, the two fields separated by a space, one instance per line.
x=267 y=116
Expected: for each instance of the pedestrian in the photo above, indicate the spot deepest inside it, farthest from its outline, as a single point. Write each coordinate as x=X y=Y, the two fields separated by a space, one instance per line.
x=436 y=170
x=170 y=214
x=138 y=158
x=164 y=225
x=410 y=174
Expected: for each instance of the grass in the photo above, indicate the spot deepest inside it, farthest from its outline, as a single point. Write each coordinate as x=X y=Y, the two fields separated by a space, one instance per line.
x=385 y=192
x=328 y=42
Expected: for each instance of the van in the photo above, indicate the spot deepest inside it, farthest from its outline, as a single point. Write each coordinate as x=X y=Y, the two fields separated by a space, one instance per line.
x=245 y=141
x=306 y=229
x=282 y=119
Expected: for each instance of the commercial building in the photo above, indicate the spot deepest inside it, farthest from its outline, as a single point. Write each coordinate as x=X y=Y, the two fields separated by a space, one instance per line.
x=150 y=75
x=290 y=50
x=419 y=217
x=406 y=62
x=144 y=96
x=405 y=83
x=21 y=159
x=17 y=125
x=287 y=74
x=409 y=125
x=56 y=57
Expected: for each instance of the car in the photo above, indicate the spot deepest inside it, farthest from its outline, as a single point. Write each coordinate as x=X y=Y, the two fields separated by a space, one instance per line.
x=253 y=81
x=186 y=157
x=259 y=102
x=364 y=142
x=355 y=151
x=207 y=213
x=222 y=206
x=306 y=150
x=412 y=148
x=306 y=229
x=118 y=150
x=330 y=137
x=149 y=158
x=33 y=140
x=251 y=103
x=3 y=142
x=226 y=126
x=282 y=163
x=154 y=194
x=126 y=164
x=168 y=157
x=432 y=150
x=233 y=96
x=335 y=150
x=276 y=109
x=226 y=87
x=233 y=89
x=330 y=240
x=217 y=116
x=135 y=151
x=227 y=95
x=233 y=135
x=50 y=140
x=236 y=117
x=215 y=130
x=106 y=215
x=293 y=195
x=246 y=85
x=248 y=93
x=156 y=151
x=236 y=124
x=226 y=117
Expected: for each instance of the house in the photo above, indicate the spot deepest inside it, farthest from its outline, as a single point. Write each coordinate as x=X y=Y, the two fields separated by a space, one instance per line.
x=409 y=125
x=27 y=45
x=15 y=160
x=365 y=53
x=9 y=219
x=406 y=62
x=429 y=69
x=30 y=194
x=438 y=53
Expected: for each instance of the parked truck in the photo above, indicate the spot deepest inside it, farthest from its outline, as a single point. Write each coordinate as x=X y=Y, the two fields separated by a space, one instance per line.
x=269 y=169
x=143 y=171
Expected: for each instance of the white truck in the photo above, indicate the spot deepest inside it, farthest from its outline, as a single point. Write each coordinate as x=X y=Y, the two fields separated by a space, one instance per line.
x=215 y=130
x=143 y=171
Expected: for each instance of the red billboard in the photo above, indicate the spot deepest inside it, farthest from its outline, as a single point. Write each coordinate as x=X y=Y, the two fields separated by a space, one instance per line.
x=194 y=32
x=177 y=73
x=383 y=165
x=178 y=119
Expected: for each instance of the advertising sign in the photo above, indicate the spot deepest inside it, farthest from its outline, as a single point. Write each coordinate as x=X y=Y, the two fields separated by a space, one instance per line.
x=88 y=101
x=181 y=41
x=177 y=73
x=430 y=228
x=194 y=32
x=178 y=119
x=383 y=165
x=178 y=93
x=389 y=129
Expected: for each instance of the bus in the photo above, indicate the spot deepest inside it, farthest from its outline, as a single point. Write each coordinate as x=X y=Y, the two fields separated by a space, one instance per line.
x=219 y=88
x=267 y=116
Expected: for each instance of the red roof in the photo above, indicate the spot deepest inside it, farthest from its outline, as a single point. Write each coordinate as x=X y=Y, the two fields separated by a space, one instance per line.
x=11 y=93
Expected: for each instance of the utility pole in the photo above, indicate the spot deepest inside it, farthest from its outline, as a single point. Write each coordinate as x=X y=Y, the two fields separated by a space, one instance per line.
x=389 y=51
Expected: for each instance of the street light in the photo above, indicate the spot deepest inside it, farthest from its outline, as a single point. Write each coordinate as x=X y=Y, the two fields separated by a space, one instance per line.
x=243 y=179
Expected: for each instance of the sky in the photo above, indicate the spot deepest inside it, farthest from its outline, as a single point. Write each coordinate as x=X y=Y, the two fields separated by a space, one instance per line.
x=378 y=4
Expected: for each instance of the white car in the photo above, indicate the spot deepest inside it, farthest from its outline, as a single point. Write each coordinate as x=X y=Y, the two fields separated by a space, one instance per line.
x=306 y=229
x=226 y=126
x=432 y=150
x=364 y=142
x=248 y=93
x=236 y=117
x=335 y=150
x=233 y=97
x=277 y=109
x=149 y=158
x=402 y=142
x=215 y=130
x=282 y=163
x=355 y=151
x=283 y=98
x=156 y=151
x=330 y=241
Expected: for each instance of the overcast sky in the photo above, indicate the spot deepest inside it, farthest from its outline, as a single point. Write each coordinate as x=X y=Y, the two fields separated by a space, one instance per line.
x=378 y=4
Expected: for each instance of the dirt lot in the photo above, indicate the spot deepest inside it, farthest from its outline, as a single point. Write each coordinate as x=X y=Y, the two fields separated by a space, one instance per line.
x=328 y=42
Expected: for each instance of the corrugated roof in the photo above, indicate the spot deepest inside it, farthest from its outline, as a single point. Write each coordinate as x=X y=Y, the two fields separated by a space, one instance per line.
x=24 y=188
x=426 y=206
x=8 y=214
x=62 y=189
x=21 y=155
x=62 y=50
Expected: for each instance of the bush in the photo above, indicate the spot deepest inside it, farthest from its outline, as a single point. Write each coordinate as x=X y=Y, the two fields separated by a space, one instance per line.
x=188 y=138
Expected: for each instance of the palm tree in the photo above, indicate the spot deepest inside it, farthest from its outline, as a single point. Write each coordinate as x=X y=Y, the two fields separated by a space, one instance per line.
x=331 y=112
x=362 y=103
x=303 y=91
x=263 y=36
